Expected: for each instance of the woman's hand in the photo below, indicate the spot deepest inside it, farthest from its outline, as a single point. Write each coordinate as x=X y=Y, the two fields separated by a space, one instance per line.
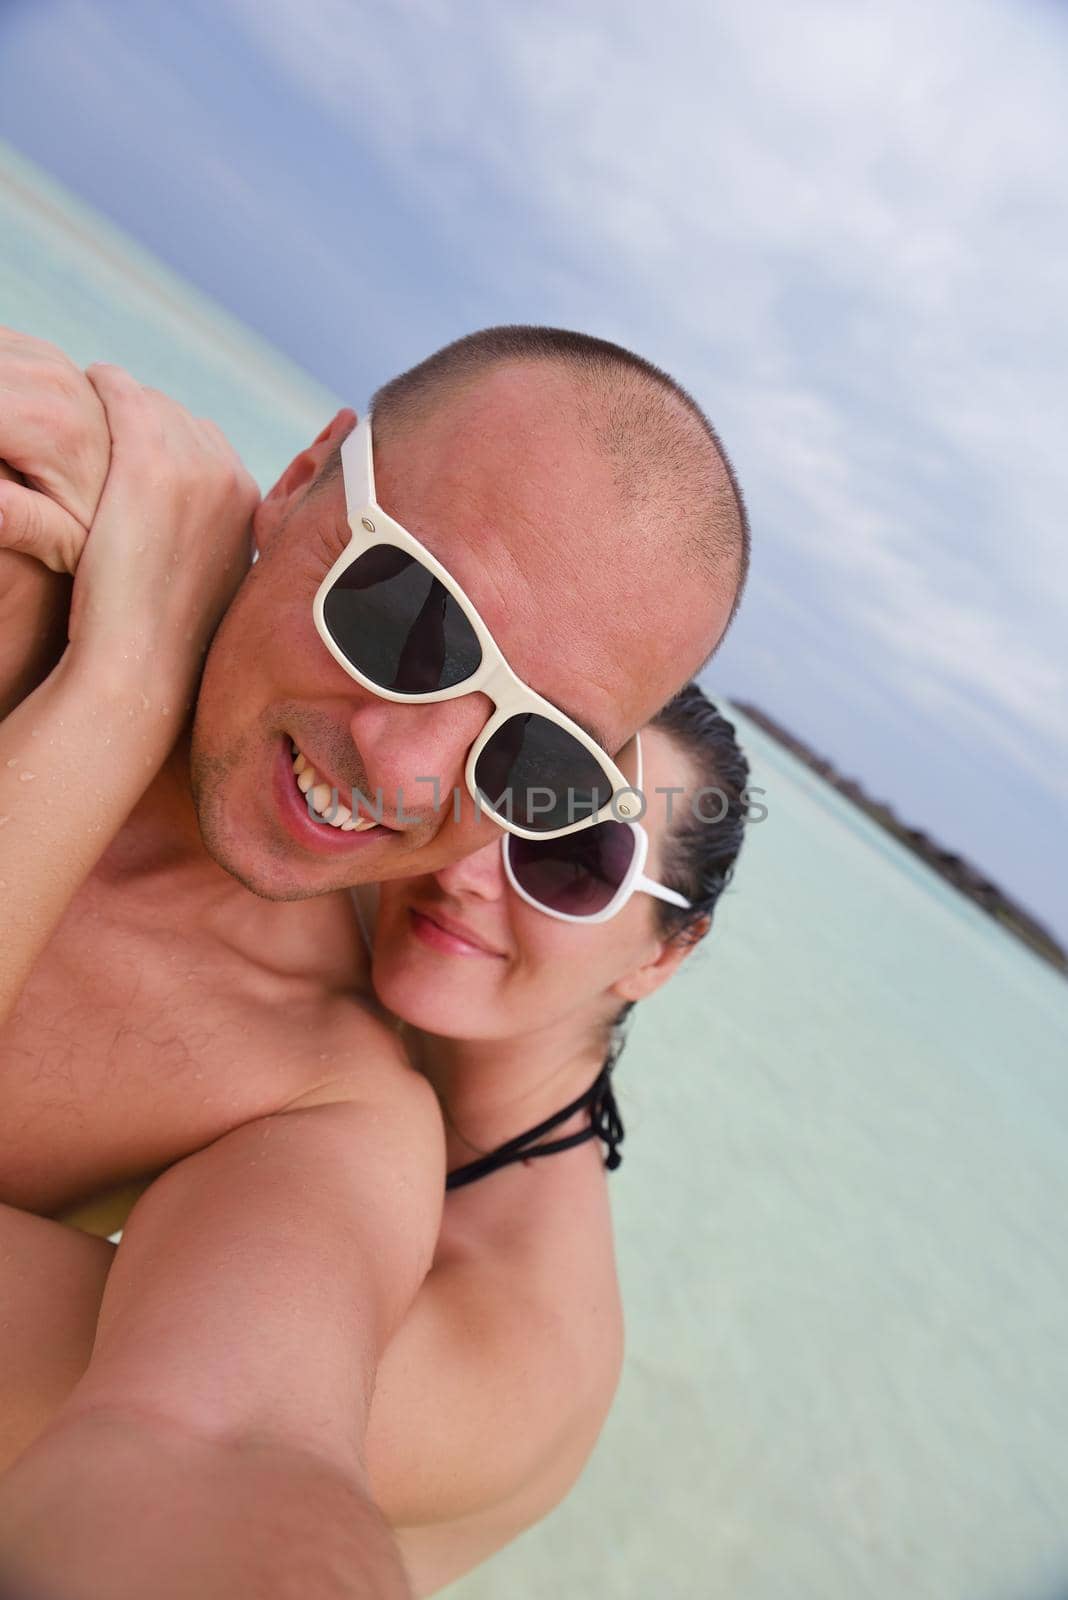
x=168 y=547
x=54 y=450
x=55 y=444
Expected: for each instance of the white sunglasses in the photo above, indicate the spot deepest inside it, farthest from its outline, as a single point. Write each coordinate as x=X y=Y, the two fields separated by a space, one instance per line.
x=399 y=623
x=589 y=876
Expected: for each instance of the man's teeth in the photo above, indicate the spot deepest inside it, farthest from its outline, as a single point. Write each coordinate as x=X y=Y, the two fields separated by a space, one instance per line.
x=320 y=797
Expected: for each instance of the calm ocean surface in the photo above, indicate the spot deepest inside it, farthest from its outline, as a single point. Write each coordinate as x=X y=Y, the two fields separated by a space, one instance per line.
x=843 y=1215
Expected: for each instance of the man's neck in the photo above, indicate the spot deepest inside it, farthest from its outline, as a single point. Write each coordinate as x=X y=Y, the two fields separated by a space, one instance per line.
x=161 y=832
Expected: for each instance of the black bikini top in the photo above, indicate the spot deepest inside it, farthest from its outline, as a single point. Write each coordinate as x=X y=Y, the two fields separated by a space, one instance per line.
x=605 y=1124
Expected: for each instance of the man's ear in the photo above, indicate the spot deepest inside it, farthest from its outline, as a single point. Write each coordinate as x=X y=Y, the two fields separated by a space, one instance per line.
x=668 y=956
x=277 y=502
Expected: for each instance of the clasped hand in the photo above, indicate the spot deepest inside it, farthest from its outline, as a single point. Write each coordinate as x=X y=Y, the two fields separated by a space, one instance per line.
x=147 y=506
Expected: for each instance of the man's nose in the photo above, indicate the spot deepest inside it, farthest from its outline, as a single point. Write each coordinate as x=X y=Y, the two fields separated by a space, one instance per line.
x=416 y=754
x=480 y=874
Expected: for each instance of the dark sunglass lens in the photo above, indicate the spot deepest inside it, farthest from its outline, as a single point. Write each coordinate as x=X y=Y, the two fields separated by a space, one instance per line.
x=579 y=873
x=536 y=774
x=399 y=626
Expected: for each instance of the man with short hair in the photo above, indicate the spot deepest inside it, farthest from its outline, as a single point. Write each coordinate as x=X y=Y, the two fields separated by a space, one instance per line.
x=201 y=1019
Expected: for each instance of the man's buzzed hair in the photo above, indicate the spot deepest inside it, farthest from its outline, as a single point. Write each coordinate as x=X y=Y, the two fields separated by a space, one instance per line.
x=666 y=451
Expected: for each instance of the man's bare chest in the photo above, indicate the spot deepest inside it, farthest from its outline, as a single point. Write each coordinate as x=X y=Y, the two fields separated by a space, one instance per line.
x=139 y=1039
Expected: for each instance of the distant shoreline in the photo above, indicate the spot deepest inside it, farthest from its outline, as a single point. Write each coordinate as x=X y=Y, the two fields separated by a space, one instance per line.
x=954 y=868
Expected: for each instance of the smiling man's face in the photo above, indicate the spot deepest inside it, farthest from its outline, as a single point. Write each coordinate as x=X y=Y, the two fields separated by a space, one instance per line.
x=591 y=600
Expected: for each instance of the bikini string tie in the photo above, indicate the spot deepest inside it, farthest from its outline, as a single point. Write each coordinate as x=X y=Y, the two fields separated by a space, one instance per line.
x=605 y=1124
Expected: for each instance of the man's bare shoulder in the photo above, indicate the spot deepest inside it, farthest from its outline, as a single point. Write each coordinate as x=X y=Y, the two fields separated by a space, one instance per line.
x=142 y=1039
x=358 y=1065
x=355 y=1053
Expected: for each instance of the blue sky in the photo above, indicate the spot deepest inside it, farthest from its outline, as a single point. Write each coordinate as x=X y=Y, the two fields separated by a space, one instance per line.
x=842 y=226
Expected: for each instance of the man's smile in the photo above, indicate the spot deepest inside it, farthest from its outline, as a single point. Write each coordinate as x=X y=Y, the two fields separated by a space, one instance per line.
x=324 y=798
x=319 y=826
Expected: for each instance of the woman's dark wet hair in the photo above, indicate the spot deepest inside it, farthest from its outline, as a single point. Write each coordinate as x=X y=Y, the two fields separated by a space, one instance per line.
x=706 y=833
x=699 y=853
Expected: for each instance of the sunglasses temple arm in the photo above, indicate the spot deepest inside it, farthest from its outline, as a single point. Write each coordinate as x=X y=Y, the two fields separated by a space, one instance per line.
x=370 y=460
x=358 y=468
x=660 y=893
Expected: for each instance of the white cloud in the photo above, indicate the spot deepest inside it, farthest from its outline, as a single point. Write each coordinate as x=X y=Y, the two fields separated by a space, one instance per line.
x=844 y=223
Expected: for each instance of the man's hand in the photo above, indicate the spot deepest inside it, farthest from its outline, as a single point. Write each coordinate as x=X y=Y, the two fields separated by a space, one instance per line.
x=54 y=436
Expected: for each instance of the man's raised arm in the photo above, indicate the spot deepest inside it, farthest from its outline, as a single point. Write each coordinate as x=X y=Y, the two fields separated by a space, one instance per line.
x=215 y=1445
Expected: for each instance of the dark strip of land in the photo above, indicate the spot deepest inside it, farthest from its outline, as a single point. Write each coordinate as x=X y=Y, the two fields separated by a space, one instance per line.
x=954 y=868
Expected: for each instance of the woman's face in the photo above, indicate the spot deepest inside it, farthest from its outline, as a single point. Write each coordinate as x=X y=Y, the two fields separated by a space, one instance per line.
x=460 y=954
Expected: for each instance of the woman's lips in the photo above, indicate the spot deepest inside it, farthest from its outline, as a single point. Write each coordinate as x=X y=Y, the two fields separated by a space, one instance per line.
x=452 y=938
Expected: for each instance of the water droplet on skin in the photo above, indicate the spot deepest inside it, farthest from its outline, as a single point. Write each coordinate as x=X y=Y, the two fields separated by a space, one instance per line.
x=13 y=762
x=24 y=777
x=3 y=820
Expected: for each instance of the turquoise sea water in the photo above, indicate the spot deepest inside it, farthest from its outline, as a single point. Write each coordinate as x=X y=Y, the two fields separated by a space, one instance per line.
x=841 y=1219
